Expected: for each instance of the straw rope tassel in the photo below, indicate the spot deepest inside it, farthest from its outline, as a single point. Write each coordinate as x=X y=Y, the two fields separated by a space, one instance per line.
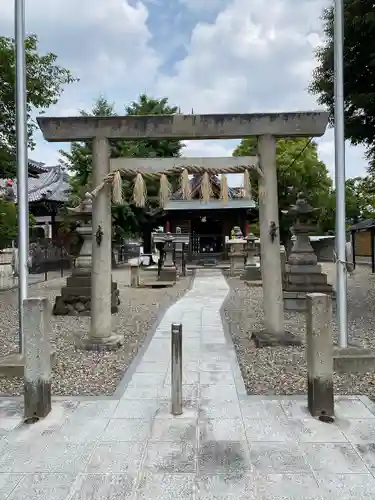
x=164 y=190
x=247 y=184
x=139 y=191
x=224 y=190
x=206 y=188
x=117 y=189
x=185 y=185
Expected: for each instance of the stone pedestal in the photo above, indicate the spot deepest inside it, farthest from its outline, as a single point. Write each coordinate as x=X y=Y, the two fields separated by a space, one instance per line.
x=237 y=255
x=75 y=298
x=252 y=268
x=303 y=274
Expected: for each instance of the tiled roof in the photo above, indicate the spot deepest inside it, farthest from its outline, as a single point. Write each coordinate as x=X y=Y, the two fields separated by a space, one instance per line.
x=51 y=185
x=363 y=225
x=211 y=205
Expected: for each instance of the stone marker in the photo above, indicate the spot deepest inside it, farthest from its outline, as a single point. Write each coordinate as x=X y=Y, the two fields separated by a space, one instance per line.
x=134 y=276
x=319 y=350
x=37 y=351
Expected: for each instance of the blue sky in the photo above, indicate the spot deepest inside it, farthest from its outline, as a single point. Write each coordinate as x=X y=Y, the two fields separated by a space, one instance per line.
x=207 y=55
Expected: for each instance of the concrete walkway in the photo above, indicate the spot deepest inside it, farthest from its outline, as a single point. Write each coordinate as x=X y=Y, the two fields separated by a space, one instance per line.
x=226 y=445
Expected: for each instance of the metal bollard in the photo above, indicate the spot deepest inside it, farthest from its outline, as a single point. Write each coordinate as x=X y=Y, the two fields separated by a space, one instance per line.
x=176 y=331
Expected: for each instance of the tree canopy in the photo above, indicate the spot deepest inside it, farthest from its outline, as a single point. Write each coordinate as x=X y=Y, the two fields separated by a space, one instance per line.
x=127 y=218
x=298 y=170
x=45 y=84
x=359 y=72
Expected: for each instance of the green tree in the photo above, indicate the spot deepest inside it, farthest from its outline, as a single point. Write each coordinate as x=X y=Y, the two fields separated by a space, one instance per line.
x=359 y=72
x=298 y=170
x=45 y=84
x=128 y=219
x=8 y=223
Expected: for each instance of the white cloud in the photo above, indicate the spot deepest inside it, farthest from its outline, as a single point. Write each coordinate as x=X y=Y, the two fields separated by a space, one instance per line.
x=241 y=56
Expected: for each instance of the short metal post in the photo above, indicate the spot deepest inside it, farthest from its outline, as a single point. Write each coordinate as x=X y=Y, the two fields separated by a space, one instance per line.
x=176 y=332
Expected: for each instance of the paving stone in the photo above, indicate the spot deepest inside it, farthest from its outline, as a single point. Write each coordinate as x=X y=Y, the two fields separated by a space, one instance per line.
x=170 y=457
x=346 y=486
x=367 y=453
x=188 y=378
x=143 y=409
x=278 y=458
x=153 y=367
x=189 y=410
x=9 y=408
x=104 y=487
x=209 y=409
x=8 y=482
x=295 y=408
x=239 y=486
x=166 y=487
x=95 y=409
x=43 y=487
x=264 y=409
x=221 y=430
x=333 y=458
x=218 y=366
x=217 y=378
x=54 y=457
x=309 y=430
x=177 y=430
x=352 y=408
x=147 y=380
x=79 y=430
x=127 y=429
x=220 y=394
x=358 y=430
x=224 y=457
x=288 y=487
x=189 y=392
x=121 y=457
x=141 y=393
x=268 y=430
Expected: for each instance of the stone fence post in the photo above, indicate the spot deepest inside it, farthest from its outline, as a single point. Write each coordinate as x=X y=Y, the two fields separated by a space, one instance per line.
x=37 y=352
x=319 y=354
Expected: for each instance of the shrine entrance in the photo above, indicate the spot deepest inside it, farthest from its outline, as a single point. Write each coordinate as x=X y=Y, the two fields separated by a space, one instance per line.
x=207 y=237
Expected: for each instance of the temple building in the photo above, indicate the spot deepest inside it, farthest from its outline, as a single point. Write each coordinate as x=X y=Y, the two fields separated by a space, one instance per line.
x=208 y=223
x=48 y=191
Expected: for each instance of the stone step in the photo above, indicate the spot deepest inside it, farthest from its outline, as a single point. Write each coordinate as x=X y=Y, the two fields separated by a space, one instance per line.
x=308 y=288
x=299 y=269
x=301 y=279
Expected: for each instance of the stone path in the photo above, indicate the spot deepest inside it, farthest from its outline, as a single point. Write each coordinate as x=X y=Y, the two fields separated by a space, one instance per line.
x=226 y=445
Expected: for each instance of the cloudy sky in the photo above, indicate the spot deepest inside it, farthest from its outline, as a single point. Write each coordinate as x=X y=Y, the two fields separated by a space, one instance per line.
x=207 y=55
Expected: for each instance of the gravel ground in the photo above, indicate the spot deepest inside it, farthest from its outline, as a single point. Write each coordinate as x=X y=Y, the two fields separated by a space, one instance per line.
x=282 y=371
x=80 y=372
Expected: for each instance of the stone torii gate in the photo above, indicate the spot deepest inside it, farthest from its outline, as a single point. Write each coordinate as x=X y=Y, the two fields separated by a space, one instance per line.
x=267 y=127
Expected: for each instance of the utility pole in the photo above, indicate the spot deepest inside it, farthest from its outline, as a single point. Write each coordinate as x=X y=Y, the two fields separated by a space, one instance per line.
x=341 y=276
x=22 y=162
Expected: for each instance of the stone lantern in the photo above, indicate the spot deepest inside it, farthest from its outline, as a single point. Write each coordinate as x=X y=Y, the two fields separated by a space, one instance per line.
x=303 y=274
x=75 y=298
x=252 y=268
x=236 y=251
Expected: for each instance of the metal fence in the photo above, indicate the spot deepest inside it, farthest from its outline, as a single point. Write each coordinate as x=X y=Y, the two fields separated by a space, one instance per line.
x=47 y=259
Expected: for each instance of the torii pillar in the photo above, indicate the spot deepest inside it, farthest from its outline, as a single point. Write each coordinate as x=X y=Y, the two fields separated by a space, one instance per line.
x=267 y=126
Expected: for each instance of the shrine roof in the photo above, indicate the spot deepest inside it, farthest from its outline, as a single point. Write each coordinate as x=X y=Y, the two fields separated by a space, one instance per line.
x=51 y=185
x=211 y=205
